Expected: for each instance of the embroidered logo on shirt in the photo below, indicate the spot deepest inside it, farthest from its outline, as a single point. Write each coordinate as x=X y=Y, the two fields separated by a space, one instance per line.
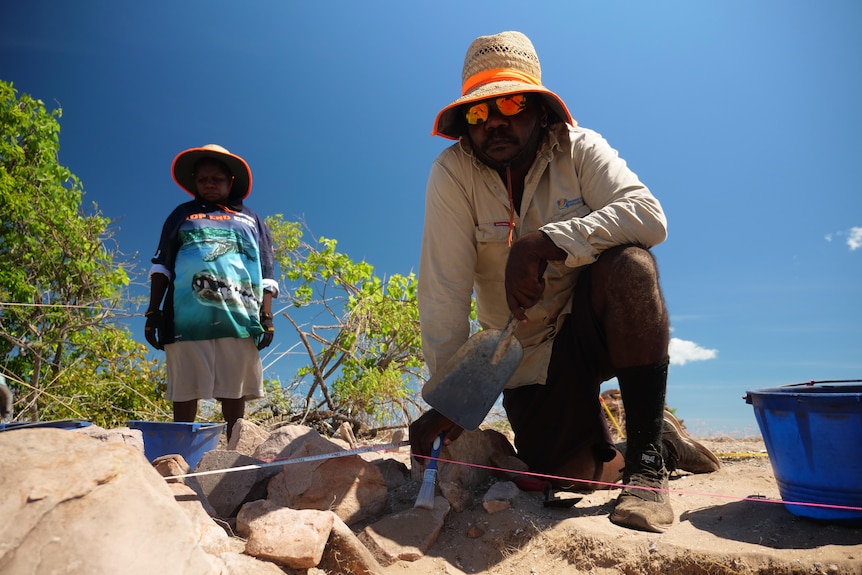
x=563 y=203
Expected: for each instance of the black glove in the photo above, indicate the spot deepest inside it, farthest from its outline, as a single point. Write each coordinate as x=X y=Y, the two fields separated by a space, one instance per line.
x=525 y=270
x=268 y=330
x=428 y=427
x=153 y=328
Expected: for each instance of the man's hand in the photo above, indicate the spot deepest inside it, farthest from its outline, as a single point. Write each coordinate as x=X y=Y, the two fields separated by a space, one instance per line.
x=153 y=327
x=425 y=430
x=525 y=267
x=268 y=330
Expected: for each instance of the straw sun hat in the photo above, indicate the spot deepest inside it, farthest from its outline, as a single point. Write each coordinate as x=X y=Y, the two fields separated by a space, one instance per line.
x=183 y=169
x=505 y=63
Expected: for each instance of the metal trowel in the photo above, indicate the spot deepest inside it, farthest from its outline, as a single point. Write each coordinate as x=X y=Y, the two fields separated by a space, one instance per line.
x=468 y=385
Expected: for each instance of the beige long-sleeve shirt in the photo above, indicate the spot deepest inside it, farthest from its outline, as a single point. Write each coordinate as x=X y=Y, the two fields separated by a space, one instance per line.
x=578 y=191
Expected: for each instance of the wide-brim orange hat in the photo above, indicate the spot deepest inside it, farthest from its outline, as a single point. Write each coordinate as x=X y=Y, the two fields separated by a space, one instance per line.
x=505 y=63
x=183 y=169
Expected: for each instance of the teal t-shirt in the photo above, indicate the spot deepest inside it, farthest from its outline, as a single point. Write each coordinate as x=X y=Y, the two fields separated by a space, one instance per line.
x=215 y=255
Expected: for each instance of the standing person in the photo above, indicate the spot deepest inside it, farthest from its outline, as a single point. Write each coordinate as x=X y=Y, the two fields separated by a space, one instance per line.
x=541 y=219
x=213 y=271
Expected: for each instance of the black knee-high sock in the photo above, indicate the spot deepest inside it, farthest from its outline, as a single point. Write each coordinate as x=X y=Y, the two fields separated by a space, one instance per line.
x=643 y=392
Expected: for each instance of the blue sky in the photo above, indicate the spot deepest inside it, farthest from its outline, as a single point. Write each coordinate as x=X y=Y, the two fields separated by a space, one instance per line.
x=742 y=117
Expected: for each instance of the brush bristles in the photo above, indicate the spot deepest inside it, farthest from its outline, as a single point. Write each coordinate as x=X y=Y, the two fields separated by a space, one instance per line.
x=428 y=490
x=429 y=480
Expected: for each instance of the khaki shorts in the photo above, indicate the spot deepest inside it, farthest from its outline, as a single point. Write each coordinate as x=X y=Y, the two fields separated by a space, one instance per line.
x=224 y=368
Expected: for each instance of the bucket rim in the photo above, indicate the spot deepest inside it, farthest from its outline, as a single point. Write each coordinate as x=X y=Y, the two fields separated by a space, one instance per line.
x=827 y=388
x=50 y=423
x=193 y=425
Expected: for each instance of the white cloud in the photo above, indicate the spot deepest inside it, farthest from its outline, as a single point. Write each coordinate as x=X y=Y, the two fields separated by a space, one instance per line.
x=682 y=352
x=854 y=238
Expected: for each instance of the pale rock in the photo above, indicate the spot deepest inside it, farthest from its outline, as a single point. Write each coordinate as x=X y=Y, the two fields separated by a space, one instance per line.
x=292 y=441
x=496 y=505
x=451 y=570
x=384 y=457
x=246 y=437
x=478 y=448
x=344 y=445
x=345 y=553
x=345 y=432
x=290 y=537
x=227 y=492
x=74 y=504
x=213 y=537
x=458 y=497
x=500 y=496
x=133 y=437
x=172 y=465
x=395 y=473
x=352 y=488
x=240 y=564
x=407 y=535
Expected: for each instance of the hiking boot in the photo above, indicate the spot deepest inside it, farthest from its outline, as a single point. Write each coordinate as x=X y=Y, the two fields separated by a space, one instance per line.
x=683 y=452
x=644 y=509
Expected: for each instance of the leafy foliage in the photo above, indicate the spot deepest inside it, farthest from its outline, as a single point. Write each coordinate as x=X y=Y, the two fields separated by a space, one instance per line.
x=64 y=293
x=359 y=332
x=63 y=351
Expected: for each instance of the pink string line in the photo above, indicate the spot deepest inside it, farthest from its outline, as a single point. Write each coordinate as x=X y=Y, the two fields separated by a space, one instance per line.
x=621 y=485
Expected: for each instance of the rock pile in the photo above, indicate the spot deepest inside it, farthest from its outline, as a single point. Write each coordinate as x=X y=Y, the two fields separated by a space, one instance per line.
x=88 y=501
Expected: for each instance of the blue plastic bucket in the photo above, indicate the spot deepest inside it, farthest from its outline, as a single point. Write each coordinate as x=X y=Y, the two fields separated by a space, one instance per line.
x=191 y=440
x=59 y=424
x=813 y=435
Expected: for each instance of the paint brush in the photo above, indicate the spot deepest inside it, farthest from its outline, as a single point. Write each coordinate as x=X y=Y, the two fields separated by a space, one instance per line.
x=429 y=480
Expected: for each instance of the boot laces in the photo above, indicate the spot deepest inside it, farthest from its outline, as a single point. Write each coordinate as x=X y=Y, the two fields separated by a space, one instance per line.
x=648 y=470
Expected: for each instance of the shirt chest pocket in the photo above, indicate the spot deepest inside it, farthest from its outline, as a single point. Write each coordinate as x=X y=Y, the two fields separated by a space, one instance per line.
x=492 y=232
x=492 y=249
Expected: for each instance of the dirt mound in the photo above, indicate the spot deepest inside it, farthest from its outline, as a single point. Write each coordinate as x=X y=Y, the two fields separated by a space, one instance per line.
x=726 y=525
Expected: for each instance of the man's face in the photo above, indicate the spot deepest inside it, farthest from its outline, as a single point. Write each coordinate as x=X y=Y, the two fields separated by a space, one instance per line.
x=212 y=182
x=500 y=139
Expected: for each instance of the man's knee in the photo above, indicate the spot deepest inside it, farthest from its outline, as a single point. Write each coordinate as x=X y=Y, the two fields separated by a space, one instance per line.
x=624 y=272
x=628 y=260
x=628 y=301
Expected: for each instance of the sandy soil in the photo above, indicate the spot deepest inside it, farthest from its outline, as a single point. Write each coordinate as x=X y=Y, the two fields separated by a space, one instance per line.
x=725 y=525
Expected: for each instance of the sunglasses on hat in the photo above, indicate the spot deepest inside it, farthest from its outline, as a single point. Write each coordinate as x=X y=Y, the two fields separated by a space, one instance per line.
x=507 y=106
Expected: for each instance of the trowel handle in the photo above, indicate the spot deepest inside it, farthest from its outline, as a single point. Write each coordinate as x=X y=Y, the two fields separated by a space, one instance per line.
x=511 y=326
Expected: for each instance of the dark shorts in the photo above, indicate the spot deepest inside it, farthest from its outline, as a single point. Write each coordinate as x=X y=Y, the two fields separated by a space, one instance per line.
x=559 y=426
